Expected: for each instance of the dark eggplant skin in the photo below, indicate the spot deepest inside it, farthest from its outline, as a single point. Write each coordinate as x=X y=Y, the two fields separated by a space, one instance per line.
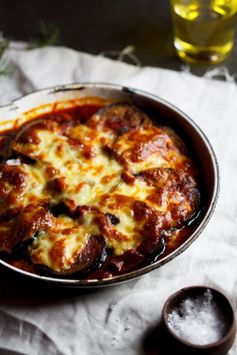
x=147 y=252
x=118 y=117
x=130 y=260
x=113 y=219
x=91 y=257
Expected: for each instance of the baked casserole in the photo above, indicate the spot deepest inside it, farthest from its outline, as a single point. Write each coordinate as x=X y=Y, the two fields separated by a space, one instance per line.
x=94 y=190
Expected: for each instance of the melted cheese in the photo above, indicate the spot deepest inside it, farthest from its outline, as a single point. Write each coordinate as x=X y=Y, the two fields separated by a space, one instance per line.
x=58 y=248
x=148 y=147
x=80 y=166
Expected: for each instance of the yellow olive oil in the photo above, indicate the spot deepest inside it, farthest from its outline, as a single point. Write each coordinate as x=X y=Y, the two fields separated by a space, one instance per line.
x=204 y=29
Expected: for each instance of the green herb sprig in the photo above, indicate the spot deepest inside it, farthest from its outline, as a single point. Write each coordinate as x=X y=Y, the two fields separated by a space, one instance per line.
x=48 y=35
x=5 y=66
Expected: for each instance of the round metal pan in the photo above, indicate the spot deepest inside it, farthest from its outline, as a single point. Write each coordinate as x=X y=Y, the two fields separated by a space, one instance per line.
x=168 y=115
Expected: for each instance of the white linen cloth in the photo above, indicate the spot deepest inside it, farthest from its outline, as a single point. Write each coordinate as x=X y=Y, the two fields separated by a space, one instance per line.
x=116 y=320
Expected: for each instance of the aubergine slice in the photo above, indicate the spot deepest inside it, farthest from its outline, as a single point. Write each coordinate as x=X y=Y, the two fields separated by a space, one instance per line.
x=17 y=233
x=178 y=188
x=33 y=219
x=67 y=251
x=118 y=117
x=35 y=139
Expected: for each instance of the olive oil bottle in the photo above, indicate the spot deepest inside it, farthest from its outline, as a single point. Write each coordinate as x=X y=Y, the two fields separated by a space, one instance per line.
x=204 y=29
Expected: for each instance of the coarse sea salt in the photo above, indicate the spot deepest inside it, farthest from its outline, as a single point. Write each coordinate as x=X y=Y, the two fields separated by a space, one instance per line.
x=198 y=320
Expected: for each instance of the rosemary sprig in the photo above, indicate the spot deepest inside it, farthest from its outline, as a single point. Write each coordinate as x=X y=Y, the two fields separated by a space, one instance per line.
x=5 y=66
x=4 y=43
x=48 y=35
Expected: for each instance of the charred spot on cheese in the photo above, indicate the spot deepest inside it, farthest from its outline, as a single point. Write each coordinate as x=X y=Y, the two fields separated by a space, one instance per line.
x=56 y=185
x=113 y=219
x=67 y=207
x=94 y=191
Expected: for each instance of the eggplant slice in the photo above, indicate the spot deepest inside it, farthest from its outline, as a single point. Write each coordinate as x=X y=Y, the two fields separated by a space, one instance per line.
x=67 y=254
x=181 y=189
x=91 y=257
x=95 y=199
x=119 y=118
x=18 y=233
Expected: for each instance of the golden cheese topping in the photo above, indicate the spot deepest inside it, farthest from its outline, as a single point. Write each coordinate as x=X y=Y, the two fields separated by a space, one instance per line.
x=80 y=192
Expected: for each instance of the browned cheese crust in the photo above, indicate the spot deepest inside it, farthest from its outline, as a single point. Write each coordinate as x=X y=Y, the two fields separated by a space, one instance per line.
x=96 y=191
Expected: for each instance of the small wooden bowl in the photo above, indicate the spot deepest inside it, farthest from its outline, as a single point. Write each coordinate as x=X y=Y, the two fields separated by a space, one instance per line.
x=181 y=346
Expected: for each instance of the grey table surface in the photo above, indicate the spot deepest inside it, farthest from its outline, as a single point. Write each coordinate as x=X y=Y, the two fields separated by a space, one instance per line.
x=95 y=26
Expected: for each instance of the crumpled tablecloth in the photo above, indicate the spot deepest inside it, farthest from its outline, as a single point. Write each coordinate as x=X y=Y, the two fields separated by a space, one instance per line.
x=123 y=319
